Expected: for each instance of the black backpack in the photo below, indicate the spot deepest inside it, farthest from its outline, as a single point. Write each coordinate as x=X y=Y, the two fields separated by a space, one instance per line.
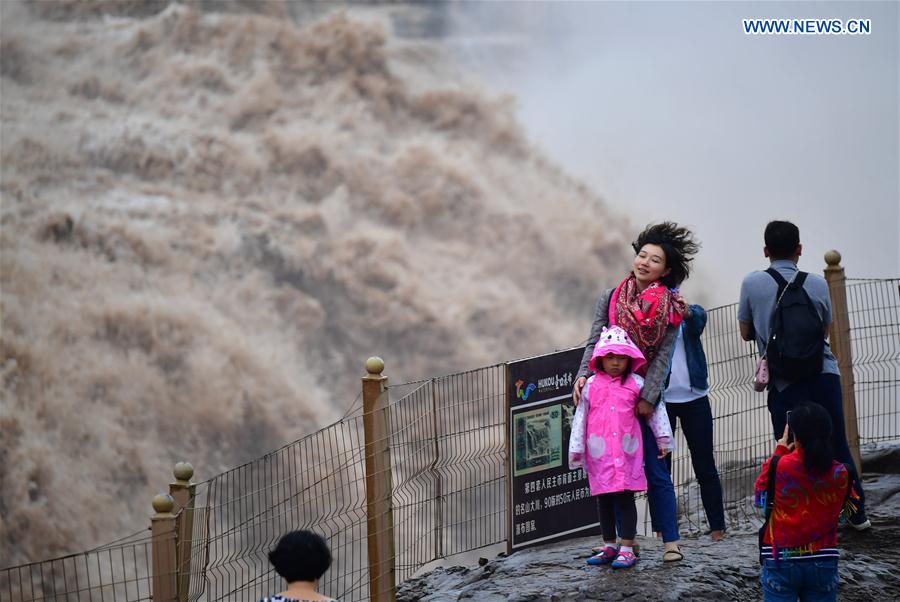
x=796 y=343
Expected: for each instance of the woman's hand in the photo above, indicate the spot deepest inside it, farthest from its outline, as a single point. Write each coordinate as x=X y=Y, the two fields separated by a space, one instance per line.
x=576 y=390
x=784 y=439
x=644 y=408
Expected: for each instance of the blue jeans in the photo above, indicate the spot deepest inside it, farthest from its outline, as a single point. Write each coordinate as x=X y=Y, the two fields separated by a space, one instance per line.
x=808 y=580
x=697 y=423
x=824 y=390
x=660 y=492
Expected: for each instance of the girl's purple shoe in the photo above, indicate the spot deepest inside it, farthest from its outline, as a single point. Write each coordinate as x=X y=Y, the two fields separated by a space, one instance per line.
x=625 y=560
x=604 y=556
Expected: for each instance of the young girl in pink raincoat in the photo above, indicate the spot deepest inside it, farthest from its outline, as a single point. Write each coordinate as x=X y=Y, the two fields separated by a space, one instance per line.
x=606 y=440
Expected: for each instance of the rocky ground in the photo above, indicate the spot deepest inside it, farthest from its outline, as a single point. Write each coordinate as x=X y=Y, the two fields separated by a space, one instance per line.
x=724 y=570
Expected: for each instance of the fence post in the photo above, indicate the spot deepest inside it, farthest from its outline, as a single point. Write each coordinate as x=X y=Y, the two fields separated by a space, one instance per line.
x=839 y=340
x=380 y=522
x=438 y=490
x=164 y=540
x=183 y=492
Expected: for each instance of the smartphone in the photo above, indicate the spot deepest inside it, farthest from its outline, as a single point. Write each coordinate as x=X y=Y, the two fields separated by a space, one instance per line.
x=787 y=418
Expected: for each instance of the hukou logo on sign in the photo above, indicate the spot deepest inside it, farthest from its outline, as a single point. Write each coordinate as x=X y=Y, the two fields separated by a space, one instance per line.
x=557 y=381
x=523 y=395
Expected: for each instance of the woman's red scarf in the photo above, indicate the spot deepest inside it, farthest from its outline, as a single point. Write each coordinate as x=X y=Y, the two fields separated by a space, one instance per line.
x=644 y=315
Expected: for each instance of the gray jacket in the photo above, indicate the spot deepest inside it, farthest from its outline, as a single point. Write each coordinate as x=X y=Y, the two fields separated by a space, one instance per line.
x=654 y=382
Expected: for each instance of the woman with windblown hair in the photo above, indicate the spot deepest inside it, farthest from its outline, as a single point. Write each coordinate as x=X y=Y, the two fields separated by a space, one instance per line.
x=646 y=305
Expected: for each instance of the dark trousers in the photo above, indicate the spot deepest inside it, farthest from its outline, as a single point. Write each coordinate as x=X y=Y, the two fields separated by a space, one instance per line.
x=825 y=390
x=697 y=423
x=621 y=506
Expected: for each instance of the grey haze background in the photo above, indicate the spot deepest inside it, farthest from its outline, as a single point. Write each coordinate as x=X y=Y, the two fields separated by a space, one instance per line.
x=670 y=111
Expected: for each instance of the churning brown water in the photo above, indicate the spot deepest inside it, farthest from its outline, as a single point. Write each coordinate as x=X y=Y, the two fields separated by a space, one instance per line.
x=210 y=220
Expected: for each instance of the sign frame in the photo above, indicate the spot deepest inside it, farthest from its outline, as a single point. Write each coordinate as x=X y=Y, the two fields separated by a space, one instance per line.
x=546 y=501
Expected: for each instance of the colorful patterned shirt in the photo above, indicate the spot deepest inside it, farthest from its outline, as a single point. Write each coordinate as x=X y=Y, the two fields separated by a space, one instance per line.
x=807 y=507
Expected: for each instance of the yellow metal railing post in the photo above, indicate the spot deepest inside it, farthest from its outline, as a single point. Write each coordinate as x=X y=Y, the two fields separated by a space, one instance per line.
x=183 y=492
x=380 y=522
x=438 y=493
x=839 y=339
x=164 y=554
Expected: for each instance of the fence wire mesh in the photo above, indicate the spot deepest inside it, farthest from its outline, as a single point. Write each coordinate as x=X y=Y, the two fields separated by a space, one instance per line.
x=315 y=483
x=116 y=572
x=448 y=462
x=874 y=309
x=448 y=450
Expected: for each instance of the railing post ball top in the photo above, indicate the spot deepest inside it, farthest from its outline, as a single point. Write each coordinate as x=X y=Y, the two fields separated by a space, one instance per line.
x=163 y=504
x=183 y=473
x=832 y=258
x=374 y=366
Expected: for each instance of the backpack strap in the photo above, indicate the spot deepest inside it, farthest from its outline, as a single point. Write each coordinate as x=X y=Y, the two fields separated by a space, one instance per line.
x=770 y=501
x=778 y=278
x=799 y=279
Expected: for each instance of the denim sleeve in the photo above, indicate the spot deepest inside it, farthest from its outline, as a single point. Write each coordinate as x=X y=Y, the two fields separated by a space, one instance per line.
x=601 y=319
x=696 y=323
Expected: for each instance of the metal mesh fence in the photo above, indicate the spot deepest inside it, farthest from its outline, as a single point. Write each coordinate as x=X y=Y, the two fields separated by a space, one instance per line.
x=448 y=450
x=448 y=462
x=116 y=572
x=315 y=483
x=874 y=308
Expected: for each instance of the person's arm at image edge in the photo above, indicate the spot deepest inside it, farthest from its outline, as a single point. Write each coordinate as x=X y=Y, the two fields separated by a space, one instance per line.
x=745 y=315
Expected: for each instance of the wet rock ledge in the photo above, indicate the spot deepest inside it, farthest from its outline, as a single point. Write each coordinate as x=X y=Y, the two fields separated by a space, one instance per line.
x=715 y=571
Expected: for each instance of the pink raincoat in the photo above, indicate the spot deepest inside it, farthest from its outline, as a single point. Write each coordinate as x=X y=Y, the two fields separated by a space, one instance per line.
x=611 y=447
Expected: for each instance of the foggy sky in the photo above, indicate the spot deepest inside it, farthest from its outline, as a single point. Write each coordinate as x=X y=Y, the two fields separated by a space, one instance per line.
x=669 y=110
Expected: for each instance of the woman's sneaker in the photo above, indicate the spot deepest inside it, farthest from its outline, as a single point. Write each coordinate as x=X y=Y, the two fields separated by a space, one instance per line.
x=625 y=560
x=605 y=556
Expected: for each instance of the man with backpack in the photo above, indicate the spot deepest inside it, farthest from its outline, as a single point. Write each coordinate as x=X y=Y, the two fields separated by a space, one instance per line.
x=788 y=313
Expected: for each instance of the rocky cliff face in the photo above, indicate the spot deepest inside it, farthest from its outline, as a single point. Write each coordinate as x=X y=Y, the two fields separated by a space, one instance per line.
x=214 y=212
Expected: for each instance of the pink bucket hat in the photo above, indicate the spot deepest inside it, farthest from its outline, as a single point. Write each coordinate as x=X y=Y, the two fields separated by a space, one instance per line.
x=616 y=340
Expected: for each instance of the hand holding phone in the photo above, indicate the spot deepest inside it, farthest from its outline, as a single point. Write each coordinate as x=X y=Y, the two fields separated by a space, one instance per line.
x=786 y=438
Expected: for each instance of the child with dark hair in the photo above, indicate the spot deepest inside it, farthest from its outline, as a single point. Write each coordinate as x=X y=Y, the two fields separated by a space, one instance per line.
x=810 y=490
x=301 y=558
x=607 y=441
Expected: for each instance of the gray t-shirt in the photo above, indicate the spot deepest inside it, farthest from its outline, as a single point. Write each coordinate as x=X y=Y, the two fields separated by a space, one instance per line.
x=757 y=303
